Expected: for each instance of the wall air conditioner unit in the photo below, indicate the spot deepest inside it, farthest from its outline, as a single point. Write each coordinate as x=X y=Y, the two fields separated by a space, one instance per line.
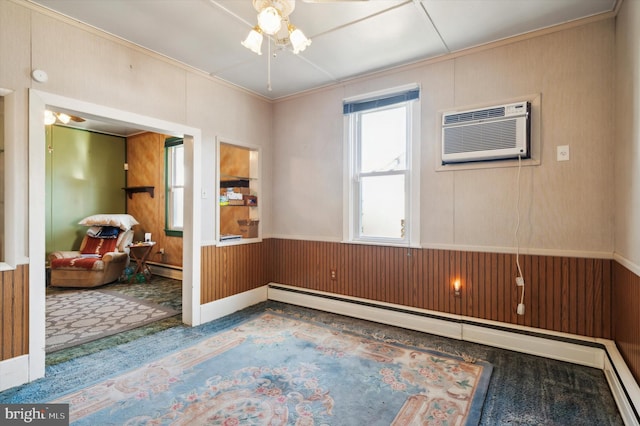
x=493 y=133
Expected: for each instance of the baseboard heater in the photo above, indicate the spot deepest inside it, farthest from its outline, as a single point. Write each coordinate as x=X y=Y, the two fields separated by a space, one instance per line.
x=597 y=353
x=164 y=270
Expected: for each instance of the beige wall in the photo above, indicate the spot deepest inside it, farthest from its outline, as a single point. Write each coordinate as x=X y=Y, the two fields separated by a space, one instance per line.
x=93 y=67
x=627 y=136
x=566 y=207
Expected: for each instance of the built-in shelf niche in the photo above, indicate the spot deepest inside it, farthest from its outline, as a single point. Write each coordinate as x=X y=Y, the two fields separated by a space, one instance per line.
x=239 y=193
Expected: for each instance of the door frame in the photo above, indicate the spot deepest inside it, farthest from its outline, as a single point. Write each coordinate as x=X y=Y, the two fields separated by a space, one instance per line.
x=38 y=102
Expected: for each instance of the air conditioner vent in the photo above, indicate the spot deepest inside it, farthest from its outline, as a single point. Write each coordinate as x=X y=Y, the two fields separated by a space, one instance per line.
x=483 y=114
x=491 y=136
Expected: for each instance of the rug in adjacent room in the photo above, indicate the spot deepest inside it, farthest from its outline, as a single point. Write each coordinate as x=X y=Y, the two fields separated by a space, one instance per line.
x=81 y=316
x=276 y=369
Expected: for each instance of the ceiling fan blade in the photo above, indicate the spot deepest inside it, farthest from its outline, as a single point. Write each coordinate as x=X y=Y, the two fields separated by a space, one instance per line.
x=77 y=119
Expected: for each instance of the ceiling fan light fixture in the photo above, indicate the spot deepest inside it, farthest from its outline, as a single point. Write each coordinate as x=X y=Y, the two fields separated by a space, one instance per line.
x=49 y=117
x=64 y=118
x=253 y=41
x=298 y=40
x=270 y=20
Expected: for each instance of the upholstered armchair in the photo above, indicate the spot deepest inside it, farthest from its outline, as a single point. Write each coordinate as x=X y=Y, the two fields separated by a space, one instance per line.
x=101 y=259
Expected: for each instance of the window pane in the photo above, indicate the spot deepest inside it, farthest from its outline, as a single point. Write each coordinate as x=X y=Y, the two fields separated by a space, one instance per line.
x=177 y=211
x=383 y=140
x=178 y=165
x=382 y=206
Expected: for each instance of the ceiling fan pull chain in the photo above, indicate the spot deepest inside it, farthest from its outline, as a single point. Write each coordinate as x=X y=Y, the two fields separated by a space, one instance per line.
x=269 y=64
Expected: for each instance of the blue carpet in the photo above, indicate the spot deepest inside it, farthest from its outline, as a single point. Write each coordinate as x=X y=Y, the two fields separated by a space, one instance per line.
x=524 y=389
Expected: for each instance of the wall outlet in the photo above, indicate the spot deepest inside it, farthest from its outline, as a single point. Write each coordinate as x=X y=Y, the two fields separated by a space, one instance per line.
x=161 y=251
x=562 y=153
x=333 y=274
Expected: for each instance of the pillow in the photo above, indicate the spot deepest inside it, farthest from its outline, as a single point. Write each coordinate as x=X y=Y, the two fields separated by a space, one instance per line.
x=122 y=221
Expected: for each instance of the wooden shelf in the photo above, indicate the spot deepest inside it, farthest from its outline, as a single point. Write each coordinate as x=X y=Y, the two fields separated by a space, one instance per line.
x=130 y=190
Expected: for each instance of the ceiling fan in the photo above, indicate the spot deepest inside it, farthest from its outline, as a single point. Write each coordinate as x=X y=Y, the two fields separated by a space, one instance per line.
x=50 y=117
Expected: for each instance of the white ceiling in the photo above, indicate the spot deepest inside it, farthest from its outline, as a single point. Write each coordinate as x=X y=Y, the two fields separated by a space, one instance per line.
x=350 y=38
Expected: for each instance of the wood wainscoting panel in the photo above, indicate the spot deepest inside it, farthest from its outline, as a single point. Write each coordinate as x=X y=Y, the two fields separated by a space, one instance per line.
x=565 y=294
x=626 y=316
x=145 y=156
x=14 y=312
x=233 y=269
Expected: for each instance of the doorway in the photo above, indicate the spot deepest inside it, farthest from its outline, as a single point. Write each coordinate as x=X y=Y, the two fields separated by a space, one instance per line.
x=40 y=101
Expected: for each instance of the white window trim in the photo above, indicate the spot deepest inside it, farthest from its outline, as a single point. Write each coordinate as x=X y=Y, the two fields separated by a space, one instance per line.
x=170 y=190
x=413 y=194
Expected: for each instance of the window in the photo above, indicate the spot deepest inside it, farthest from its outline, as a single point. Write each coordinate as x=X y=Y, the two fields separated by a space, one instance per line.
x=383 y=159
x=174 y=184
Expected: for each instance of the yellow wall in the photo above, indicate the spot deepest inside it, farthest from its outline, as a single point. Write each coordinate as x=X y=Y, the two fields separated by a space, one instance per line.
x=84 y=177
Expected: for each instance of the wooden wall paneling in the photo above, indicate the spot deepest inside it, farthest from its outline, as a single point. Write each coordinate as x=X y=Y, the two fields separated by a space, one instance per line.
x=420 y=278
x=472 y=293
x=581 y=297
x=492 y=288
x=530 y=295
x=205 y=266
x=416 y=268
x=14 y=313
x=234 y=160
x=231 y=270
x=556 y=278
x=537 y=290
x=479 y=285
x=425 y=278
x=626 y=316
x=450 y=266
x=546 y=275
x=561 y=294
x=500 y=287
x=439 y=277
x=468 y=308
x=572 y=293
x=563 y=297
x=607 y=301
x=8 y=315
x=591 y=275
x=145 y=156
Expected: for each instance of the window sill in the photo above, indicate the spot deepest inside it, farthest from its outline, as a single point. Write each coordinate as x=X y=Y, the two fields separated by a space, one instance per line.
x=172 y=233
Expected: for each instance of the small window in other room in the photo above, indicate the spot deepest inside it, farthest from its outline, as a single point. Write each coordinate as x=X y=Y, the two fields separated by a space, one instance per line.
x=383 y=160
x=174 y=184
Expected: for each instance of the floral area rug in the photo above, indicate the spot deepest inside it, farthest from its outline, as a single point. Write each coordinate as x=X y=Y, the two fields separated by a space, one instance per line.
x=79 y=316
x=275 y=369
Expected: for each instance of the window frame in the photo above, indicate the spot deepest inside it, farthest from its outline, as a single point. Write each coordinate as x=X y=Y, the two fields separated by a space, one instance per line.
x=353 y=109
x=169 y=145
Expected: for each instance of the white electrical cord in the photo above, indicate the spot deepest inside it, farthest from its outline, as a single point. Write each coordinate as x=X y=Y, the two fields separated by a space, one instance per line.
x=520 y=278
